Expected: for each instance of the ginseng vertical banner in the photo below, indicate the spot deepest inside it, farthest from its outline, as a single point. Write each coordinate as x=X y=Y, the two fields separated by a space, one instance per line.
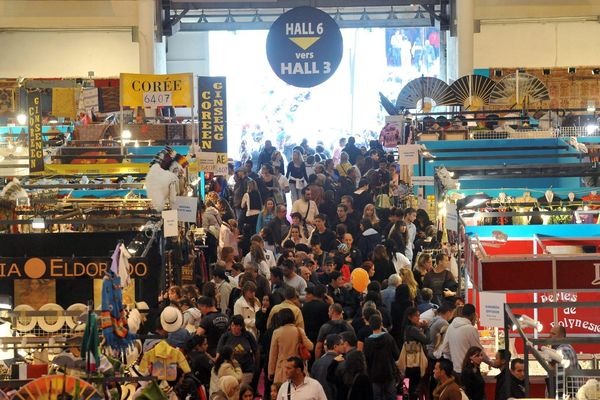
x=212 y=115
x=34 y=122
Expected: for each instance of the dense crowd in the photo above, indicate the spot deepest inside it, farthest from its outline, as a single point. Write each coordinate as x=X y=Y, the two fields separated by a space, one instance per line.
x=285 y=314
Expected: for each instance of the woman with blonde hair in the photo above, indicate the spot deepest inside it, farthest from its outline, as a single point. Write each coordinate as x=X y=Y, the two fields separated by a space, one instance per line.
x=266 y=215
x=423 y=266
x=370 y=214
x=409 y=279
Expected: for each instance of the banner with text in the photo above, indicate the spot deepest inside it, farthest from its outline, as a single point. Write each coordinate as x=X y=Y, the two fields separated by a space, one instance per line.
x=143 y=90
x=34 y=122
x=212 y=114
x=65 y=267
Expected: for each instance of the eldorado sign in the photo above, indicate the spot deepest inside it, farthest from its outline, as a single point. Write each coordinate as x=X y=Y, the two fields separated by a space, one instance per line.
x=65 y=267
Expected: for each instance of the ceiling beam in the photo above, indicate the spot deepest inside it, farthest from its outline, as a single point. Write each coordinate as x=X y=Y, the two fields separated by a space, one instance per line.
x=231 y=26
x=182 y=4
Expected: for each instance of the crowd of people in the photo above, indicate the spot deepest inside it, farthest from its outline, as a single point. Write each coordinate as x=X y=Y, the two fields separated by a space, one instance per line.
x=283 y=316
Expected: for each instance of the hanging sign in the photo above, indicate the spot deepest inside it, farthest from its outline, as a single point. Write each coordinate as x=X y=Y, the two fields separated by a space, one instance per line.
x=143 y=90
x=304 y=46
x=491 y=309
x=422 y=180
x=65 y=267
x=34 y=122
x=170 y=223
x=451 y=217
x=212 y=113
x=408 y=154
x=186 y=208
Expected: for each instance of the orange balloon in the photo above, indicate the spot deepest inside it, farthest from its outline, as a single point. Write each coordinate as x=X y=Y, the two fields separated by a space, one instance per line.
x=360 y=279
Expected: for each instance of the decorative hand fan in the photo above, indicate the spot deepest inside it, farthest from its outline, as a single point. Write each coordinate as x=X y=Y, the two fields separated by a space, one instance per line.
x=473 y=91
x=519 y=89
x=424 y=93
x=388 y=105
x=51 y=387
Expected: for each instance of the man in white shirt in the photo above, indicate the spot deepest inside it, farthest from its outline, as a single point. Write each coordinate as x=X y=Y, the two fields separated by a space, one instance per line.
x=306 y=207
x=410 y=214
x=269 y=257
x=460 y=336
x=299 y=386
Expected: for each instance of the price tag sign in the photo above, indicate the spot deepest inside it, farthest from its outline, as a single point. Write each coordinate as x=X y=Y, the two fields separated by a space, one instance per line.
x=422 y=180
x=158 y=99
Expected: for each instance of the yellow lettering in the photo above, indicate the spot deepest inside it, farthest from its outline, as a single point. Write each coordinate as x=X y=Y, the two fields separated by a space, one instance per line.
x=206 y=105
x=218 y=85
x=219 y=136
x=206 y=95
x=206 y=145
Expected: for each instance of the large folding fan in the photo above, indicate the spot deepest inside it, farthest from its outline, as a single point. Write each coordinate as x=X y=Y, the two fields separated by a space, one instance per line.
x=519 y=89
x=425 y=90
x=473 y=91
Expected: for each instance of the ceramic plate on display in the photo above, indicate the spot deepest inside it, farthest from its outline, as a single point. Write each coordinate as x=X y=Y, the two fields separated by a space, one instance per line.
x=25 y=323
x=52 y=387
x=51 y=323
x=72 y=321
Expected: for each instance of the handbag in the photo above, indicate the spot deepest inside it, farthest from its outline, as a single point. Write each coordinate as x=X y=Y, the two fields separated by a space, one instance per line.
x=303 y=352
x=412 y=356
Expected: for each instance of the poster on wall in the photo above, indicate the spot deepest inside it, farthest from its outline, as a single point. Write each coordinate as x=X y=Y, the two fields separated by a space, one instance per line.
x=151 y=91
x=34 y=122
x=304 y=46
x=212 y=114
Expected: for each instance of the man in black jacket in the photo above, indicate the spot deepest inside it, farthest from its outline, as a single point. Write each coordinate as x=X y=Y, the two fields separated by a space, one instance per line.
x=326 y=237
x=352 y=150
x=381 y=354
x=279 y=226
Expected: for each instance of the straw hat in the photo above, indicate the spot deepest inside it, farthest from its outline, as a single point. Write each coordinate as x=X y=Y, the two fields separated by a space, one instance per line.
x=171 y=319
x=51 y=323
x=25 y=324
x=72 y=321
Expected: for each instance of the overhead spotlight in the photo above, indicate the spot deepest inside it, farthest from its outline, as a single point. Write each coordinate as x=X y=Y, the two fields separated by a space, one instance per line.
x=497 y=73
x=229 y=18
x=591 y=129
x=596 y=71
x=572 y=70
x=338 y=16
x=591 y=106
x=419 y=13
x=392 y=14
x=126 y=134
x=529 y=322
x=257 y=17
x=22 y=119
x=546 y=71
x=365 y=15
x=203 y=18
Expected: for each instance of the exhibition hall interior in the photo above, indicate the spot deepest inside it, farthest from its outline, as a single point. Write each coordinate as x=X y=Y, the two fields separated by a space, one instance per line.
x=299 y=199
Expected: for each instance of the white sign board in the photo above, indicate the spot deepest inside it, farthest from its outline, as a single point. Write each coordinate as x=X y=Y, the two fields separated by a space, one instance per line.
x=170 y=223
x=451 y=217
x=423 y=180
x=491 y=307
x=187 y=208
x=207 y=161
x=408 y=154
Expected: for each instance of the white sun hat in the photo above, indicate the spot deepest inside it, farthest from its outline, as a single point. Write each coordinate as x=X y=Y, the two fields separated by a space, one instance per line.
x=171 y=319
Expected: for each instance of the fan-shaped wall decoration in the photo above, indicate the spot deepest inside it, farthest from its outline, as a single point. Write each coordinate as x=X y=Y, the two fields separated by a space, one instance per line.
x=519 y=89
x=425 y=92
x=473 y=91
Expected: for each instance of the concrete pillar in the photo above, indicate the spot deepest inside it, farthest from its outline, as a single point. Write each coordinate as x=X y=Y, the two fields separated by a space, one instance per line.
x=146 y=28
x=465 y=24
x=160 y=56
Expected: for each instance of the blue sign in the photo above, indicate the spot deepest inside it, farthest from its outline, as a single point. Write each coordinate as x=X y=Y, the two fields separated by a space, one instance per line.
x=304 y=46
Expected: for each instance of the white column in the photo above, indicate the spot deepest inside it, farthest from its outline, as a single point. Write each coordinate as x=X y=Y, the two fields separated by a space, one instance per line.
x=465 y=21
x=146 y=28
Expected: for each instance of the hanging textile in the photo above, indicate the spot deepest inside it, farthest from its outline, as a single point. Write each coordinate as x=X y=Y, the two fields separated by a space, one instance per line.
x=63 y=102
x=7 y=100
x=109 y=99
x=88 y=101
x=91 y=343
x=114 y=323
